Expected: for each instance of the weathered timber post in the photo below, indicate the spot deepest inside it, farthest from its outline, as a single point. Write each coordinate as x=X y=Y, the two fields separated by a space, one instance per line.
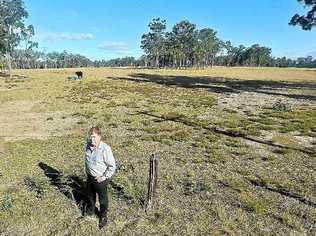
x=152 y=181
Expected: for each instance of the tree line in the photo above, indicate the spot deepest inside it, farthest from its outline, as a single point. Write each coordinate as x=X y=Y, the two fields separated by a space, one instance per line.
x=39 y=60
x=184 y=46
x=35 y=59
x=187 y=46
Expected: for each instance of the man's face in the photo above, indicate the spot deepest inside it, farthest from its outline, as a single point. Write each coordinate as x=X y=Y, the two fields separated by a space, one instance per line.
x=95 y=139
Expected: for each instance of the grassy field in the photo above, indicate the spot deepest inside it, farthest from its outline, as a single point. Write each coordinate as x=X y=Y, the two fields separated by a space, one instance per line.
x=237 y=150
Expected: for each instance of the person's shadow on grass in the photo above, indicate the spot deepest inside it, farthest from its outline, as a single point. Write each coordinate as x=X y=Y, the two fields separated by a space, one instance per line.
x=73 y=187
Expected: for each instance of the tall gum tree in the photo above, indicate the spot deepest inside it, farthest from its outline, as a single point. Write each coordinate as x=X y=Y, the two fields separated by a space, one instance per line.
x=153 y=42
x=12 y=28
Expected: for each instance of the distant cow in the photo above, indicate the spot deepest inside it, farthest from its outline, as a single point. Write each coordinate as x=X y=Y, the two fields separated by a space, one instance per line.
x=79 y=74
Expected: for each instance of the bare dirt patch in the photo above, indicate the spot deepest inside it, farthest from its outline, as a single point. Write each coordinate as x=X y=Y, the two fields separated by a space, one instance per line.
x=254 y=101
x=18 y=122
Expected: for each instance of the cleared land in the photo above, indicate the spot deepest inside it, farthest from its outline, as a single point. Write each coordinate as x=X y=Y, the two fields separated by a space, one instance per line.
x=237 y=148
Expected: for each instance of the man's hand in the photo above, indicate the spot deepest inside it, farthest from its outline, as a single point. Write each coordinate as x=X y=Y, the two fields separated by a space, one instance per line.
x=100 y=179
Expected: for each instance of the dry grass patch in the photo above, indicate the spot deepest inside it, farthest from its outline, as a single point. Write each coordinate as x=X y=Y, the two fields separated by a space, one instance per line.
x=17 y=121
x=219 y=170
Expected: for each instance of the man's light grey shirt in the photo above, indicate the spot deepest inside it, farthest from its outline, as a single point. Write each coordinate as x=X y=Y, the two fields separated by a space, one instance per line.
x=100 y=162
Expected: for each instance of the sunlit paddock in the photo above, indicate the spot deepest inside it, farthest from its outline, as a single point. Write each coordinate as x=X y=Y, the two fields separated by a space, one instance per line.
x=236 y=146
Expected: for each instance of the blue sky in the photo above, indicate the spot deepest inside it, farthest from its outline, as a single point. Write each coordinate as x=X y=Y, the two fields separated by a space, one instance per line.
x=108 y=29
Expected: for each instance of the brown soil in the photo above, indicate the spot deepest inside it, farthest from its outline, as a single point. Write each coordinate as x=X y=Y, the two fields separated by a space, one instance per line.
x=17 y=122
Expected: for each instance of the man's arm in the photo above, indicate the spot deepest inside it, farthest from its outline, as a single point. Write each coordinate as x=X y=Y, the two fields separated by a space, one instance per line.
x=110 y=162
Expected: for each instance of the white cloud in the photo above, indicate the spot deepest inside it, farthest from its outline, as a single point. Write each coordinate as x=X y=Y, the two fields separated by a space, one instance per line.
x=53 y=37
x=120 y=47
x=81 y=36
x=49 y=37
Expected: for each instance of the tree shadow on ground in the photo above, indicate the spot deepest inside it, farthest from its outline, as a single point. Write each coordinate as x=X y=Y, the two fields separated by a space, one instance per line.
x=229 y=133
x=225 y=85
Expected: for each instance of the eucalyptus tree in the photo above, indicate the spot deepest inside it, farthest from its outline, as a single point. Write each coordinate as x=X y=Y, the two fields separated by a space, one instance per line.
x=257 y=55
x=199 y=53
x=264 y=56
x=12 y=27
x=236 y=56
x=174 y=51
x=29 y=44
x=308 y=21
x=239 y=56
x=52 y=58
x=184 y=34
x=282 y=62
x=230 y=52
x=187 y=46
x=153 y=42
x=210 y=45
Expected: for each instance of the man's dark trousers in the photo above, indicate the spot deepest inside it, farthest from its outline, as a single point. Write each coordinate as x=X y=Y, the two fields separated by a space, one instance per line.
x=94 y=188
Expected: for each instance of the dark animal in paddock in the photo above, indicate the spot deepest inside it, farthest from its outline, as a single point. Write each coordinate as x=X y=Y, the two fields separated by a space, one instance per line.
x=79 y=74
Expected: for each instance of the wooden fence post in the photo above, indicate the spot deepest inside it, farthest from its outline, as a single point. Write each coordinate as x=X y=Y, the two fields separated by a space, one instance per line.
x=152 y=181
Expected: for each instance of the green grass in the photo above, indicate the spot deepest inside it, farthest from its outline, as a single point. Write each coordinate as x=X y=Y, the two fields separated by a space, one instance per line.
x=206 y=178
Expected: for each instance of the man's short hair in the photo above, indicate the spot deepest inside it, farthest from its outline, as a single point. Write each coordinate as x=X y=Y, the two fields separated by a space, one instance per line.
x=95 y=129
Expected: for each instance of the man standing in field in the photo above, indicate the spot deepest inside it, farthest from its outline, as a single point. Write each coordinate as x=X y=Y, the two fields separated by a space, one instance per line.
x=100 y=166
